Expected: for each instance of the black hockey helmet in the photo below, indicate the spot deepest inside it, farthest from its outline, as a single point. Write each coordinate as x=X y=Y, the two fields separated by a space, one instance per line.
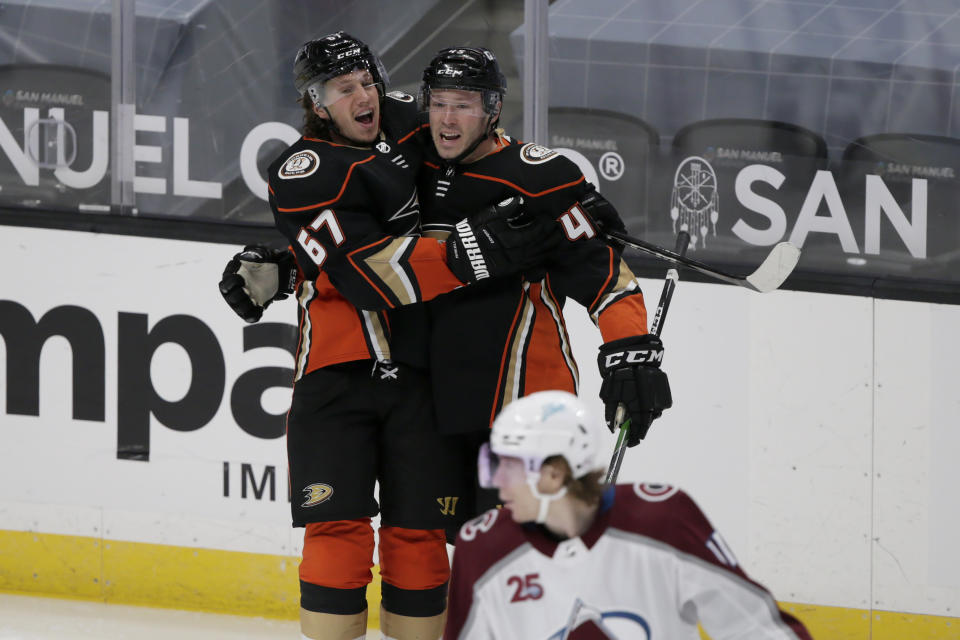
x=330 y=56
x=468 y=69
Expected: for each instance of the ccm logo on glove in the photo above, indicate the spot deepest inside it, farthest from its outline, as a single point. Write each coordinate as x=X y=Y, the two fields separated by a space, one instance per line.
x=633 y=356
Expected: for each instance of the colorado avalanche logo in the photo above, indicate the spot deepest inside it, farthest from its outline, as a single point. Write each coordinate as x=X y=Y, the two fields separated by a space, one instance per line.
x=589 y=623
x=652 y=492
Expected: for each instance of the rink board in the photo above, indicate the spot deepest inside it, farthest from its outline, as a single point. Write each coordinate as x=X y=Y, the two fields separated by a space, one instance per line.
x=815 y=431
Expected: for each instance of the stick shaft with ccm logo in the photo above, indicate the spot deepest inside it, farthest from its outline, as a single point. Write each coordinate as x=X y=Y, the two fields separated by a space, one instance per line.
x=683 y=241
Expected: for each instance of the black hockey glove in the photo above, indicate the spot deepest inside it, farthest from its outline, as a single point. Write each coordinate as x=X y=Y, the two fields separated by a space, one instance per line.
x=631 y=373
x=256 y=277
x=499 y=240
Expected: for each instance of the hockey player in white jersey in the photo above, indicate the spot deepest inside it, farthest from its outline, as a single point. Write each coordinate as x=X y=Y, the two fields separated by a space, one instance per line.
x=569 y=559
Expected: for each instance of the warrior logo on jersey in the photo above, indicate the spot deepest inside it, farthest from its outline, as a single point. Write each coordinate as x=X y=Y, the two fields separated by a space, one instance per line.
x=300 y=165
x=383 y=147
x=533 y=153
x=316 y=493
x=401 y=96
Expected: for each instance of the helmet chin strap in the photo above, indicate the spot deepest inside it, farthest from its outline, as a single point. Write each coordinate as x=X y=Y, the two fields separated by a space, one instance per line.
x=488 y=130
x=332 y=125
x=473 y=146
x=544 y=500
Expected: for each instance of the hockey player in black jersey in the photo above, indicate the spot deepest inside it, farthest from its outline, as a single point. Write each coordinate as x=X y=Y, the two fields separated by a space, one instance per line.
x=519 y=343
x=361 y=412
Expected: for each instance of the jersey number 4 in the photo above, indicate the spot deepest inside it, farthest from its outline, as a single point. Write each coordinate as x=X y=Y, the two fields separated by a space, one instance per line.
x=576 y=224
x=311 y=245
x=526 y=588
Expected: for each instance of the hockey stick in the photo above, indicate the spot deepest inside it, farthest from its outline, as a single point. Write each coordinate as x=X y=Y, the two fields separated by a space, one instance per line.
x=775 y=268
x=683 y=241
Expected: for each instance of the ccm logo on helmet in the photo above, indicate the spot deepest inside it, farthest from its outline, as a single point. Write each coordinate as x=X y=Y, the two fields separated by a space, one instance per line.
x=349 y=52
x=639 y=356
x=469 y=242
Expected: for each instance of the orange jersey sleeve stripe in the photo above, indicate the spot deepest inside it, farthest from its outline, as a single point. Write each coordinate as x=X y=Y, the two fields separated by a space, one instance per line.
x=343 y=188
x=524 y=191
x=625 y=317
x=429 y=264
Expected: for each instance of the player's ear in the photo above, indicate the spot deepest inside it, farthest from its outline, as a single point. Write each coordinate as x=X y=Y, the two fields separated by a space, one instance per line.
x=321 y=112
x=552 y=477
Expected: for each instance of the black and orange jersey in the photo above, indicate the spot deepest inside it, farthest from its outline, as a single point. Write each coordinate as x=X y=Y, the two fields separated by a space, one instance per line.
x=506 y=338
x=351 y=215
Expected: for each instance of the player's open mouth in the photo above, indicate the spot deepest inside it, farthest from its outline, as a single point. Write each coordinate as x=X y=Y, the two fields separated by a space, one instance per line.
x=365 y=117
x=449 y=137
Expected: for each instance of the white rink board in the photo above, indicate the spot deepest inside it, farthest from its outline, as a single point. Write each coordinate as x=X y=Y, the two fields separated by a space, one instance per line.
x=779 y=429
x=770 y=430
x=60 y=475
x=916 y=561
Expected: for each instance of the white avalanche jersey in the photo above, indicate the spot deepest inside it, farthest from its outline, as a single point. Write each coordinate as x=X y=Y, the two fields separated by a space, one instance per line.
x=649 y=568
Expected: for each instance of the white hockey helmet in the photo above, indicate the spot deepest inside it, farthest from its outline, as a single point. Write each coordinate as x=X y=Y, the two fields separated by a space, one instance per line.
x=543 y=424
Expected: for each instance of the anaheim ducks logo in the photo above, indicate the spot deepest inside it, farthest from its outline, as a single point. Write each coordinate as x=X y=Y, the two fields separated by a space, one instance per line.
x=300 y=165
x=532 y=153
x=316 y=493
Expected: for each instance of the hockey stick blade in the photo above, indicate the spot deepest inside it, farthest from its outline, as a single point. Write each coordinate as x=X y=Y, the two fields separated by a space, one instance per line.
x=772 y=273
x=776 y=267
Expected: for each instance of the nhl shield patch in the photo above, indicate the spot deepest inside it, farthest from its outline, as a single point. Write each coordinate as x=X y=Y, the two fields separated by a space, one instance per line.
x=533 y=153
x=300 y=165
